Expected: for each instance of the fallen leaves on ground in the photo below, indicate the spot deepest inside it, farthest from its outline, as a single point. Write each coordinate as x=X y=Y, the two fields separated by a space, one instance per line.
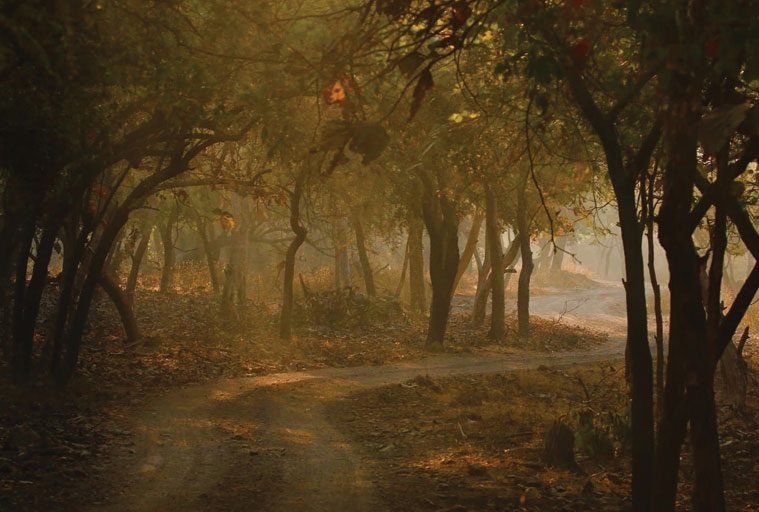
x=474 y=443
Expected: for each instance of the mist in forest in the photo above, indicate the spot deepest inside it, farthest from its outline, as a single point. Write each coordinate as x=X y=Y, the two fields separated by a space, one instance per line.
x=353 y=255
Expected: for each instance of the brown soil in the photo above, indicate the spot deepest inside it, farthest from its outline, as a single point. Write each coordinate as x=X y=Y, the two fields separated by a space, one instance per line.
x=418 y=434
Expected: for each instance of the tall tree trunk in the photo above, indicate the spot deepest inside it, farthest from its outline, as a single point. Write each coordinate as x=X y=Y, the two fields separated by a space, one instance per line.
x=523 y=292
x=484 y=287
x=469 y=248
x=498 y=305
x=648 y=207
x=9 y=236
x=169 y=255
x=442 y=222
x=73 y=340
x=444 y=262
x=21 y=349
x=687 y=387
x=74 y=245
x=123 y=306
x=336 y=242
x=402 y=279
x=210 y=254
x=137 y=258
x=623 y=179
x=241 y=281
x=363 y=257
x=416 y=266
x=231 y=271
x=640 y=354
x=285 y=319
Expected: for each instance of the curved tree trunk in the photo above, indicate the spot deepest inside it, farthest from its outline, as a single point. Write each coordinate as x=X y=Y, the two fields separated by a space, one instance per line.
x=137 y=258
x=484 y=286
x=416 y=266
x=402 y=279
x=123 y=306
x=72 y=342
x=498 y=305
x=73 y=248
x=363 y=257
x=285 y=319
x=469 y=248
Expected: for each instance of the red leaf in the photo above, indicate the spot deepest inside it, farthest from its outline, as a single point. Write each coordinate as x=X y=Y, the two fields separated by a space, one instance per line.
x=335 y=93
x=712 y=47
x=461 y=13
x=579 y=52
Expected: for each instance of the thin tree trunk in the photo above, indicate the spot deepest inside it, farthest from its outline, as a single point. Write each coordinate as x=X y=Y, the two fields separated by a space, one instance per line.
x=363 y=257
x=416 y=266
x=231 y=271
x=73 y=340
x=734 y=373
x=648 y=195
x=469 y=248
x=285 y=320
x=623 y=182
x=523 y=292
x=137 y=258
x=546 y=254
x=19 y=348
x=607 y=262
x=116 y=257
x=73 y=250
x=209 y=253
x=498 y=305
x=241 y=279
x=123 y=306
x=558 y=256
x=402 y=280
x=167 y=238
x=337 y=243
x=484 y=287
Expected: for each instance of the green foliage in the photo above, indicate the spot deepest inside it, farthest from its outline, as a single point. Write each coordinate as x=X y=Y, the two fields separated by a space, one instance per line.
x=602 y=431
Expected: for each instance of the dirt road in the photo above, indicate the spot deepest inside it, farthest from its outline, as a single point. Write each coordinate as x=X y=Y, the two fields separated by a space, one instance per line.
x=266 y=443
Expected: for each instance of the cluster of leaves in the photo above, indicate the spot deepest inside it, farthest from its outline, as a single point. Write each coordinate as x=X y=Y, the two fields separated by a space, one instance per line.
x=602 y=422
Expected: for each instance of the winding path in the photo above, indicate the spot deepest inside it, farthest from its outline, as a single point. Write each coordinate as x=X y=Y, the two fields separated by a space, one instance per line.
x=266 y=443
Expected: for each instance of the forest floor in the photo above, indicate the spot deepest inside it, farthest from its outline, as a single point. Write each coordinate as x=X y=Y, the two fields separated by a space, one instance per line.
x=313 y=427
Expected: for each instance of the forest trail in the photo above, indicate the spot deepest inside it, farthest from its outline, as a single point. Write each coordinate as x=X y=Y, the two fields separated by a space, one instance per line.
x=267 y=444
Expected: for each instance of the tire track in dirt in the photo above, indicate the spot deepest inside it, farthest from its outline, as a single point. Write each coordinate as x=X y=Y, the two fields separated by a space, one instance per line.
x=266 y=443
